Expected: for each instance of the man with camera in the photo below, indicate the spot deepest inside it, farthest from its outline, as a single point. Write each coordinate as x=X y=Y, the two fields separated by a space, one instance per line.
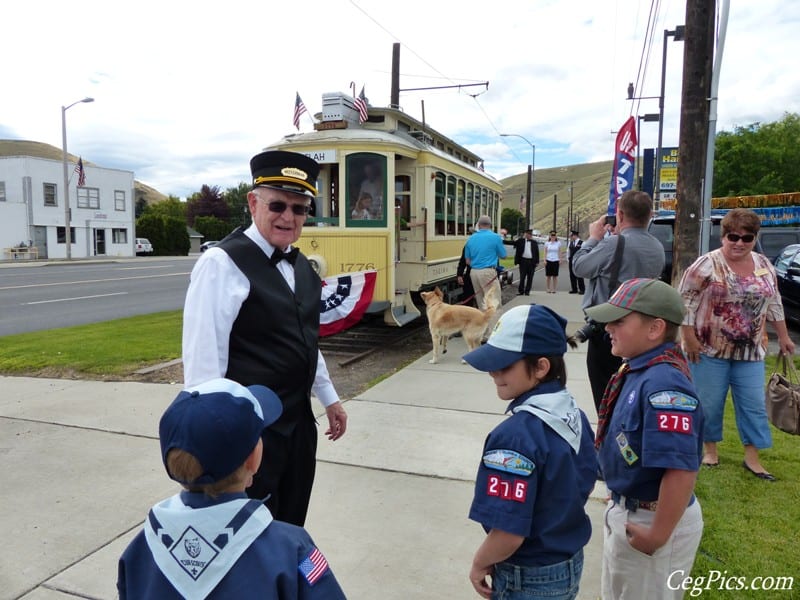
x=605 y=262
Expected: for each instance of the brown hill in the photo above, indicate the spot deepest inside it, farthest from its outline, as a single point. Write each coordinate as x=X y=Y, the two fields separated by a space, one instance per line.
x=551 y=194
x=41 y=150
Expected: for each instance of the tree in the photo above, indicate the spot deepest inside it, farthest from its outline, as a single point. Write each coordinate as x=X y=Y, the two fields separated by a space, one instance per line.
x=171 y=207
x=758 y=159
x=236 y=199
x=207 y=202
x=512 y=220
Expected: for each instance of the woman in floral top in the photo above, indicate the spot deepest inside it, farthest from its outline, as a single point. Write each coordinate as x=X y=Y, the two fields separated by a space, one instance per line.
x=730 y=294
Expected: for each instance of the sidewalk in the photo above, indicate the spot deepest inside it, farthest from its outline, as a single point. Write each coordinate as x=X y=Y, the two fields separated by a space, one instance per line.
x=81 y=467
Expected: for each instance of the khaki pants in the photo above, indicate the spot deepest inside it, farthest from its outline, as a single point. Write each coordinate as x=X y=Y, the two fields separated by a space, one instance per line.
x=481 y=279
x=631 y=575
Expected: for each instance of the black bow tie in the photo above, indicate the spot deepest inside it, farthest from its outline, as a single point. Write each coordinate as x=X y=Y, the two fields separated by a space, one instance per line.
x=278 y=256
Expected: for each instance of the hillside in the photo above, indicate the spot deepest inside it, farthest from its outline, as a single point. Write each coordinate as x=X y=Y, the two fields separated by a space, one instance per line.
x=590 y=183
x=41 y=150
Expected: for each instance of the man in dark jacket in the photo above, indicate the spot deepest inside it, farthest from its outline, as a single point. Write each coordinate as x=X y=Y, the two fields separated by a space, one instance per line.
x=576 y=285
x=526 y=255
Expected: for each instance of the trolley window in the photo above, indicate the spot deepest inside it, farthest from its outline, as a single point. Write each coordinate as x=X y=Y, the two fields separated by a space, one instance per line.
x=366 y=190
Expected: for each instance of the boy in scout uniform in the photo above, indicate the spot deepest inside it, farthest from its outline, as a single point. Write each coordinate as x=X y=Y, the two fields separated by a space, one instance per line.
x=649 y=437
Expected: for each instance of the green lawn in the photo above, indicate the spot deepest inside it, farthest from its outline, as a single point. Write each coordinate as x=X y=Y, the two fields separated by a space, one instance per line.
x=752 y=527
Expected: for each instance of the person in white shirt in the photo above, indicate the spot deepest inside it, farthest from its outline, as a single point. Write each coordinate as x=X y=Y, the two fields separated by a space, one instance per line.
x=252 y=315
x=552 y=258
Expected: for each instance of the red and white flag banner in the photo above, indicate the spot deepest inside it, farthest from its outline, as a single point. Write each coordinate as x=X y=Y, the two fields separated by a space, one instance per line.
x=345 y=299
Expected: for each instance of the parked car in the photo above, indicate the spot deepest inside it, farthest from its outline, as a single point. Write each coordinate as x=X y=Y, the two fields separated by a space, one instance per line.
x=206 y=245
x=143 y=246
x=662 y=226
x=775 y=239
x=787 y=267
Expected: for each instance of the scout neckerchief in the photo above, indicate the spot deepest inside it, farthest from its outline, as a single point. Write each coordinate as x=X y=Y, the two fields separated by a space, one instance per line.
x=672 y=356
x=559 y=411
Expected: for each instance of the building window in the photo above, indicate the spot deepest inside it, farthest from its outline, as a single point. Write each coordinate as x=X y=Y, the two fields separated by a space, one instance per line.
x=50 y=194
x=61 y=236
x=119 y=200
x=2 y=191
x=119 y=236
x=88 y=197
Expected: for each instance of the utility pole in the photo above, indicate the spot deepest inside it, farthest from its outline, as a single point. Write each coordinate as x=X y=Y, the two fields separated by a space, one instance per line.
x=698 y=61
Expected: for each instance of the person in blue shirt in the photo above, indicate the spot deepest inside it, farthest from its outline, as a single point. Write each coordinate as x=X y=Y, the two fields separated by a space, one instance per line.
x=649 y=436
x=211 y=540
x=483 y=250
x=538 y=466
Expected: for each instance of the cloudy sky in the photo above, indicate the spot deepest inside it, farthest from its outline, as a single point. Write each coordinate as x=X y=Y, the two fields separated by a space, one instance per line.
x=186 y=92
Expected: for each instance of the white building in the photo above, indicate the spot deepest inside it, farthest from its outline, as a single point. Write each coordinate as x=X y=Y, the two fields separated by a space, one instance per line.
x=32 y=209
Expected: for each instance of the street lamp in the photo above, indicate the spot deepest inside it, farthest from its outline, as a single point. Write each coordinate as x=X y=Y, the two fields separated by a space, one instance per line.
x=678 y=34
x=531 y=177
x=67 y=235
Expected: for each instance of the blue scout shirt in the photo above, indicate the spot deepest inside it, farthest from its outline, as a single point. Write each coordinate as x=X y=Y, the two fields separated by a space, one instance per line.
x=657 y=424
x=281 y=562
x=540 y=488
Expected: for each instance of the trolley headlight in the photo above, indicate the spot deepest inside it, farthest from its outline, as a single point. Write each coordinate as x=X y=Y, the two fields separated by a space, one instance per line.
x=318 y=264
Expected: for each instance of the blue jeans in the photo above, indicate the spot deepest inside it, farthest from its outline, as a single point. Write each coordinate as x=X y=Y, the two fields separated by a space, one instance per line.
x=554 y=582
x=712 y=377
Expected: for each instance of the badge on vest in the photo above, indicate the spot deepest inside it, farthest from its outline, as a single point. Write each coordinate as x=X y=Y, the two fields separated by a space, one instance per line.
x=508 y=461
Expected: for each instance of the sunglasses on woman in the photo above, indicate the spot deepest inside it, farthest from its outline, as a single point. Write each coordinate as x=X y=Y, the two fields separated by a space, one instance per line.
x=279 y=206
x=735 y=237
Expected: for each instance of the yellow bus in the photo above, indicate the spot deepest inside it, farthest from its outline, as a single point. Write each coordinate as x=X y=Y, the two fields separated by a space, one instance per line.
x=395 y=196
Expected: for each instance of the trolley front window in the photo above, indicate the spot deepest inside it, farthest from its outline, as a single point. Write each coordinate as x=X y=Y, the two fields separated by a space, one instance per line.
x=366 y=190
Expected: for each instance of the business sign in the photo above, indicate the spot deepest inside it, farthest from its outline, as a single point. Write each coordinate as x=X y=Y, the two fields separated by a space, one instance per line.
x=668 y=170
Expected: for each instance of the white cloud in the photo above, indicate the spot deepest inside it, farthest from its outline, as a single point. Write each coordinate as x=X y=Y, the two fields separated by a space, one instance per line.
x=187 y=92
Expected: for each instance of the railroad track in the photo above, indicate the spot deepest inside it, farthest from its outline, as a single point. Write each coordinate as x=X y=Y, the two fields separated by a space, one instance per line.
x=369 y=336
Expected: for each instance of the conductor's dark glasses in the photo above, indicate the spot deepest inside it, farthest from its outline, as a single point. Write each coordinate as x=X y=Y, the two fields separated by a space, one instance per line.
x=735 y=237
x=279 y=206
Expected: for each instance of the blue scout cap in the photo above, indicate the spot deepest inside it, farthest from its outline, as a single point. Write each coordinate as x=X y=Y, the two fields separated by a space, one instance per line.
x=218 y=422
x=530 y=330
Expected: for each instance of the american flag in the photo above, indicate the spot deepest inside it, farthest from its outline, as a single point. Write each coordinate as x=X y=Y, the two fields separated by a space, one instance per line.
x=313 y=566
x=81 y=173
x=361 y=106
x=299 y=109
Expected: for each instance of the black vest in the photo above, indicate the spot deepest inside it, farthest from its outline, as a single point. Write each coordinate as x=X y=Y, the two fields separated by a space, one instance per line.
x=274 y=339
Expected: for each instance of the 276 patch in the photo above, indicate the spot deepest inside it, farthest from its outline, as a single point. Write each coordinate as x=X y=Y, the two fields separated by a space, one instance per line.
x=508 y=461
x=673 y=400
x=675 y=423
x=516 y=490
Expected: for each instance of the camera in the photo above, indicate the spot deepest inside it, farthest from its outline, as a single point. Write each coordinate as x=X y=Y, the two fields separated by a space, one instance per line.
x=588 y=330
x=611 y=220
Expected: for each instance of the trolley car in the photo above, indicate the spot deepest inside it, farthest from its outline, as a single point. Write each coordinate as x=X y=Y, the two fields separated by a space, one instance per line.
x=395 y=196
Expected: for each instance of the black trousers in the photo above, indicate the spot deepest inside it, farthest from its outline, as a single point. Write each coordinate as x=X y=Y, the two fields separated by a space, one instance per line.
x=286 y=475
x=575 y=283
x=600 y=364
x=526 y=269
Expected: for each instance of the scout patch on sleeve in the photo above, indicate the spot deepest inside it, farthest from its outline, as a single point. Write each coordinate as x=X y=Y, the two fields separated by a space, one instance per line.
x=504 y=489
x=675 y=423
x=673 y=400
x=508 y=461
x=313 y=566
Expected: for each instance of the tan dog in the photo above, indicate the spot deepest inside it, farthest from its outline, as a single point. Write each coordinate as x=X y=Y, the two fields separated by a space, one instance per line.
x=446 y=319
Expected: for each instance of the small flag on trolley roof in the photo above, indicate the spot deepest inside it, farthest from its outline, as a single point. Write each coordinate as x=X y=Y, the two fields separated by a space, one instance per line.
x=361 y=106
x=81 y=173
x=299 y=109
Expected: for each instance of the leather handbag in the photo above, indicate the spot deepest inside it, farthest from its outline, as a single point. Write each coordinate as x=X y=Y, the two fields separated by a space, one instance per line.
x=783 y=396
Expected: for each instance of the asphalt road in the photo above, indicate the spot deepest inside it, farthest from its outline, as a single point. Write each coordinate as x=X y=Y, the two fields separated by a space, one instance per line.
x=59 y=294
